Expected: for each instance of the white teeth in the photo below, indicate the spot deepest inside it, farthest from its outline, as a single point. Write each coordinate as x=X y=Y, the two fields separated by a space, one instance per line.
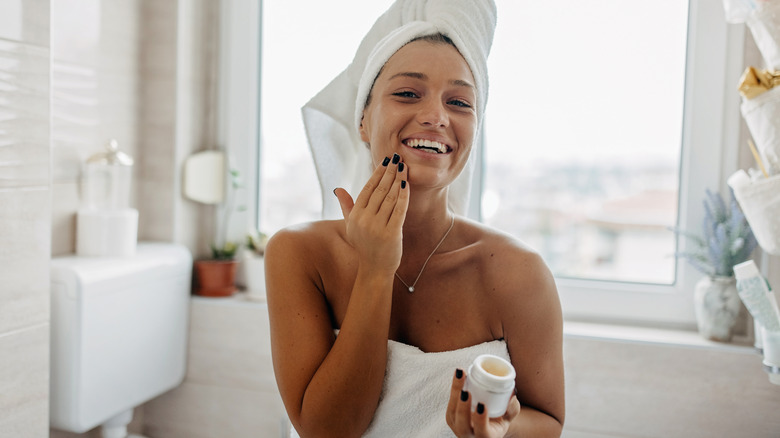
x=427 y=145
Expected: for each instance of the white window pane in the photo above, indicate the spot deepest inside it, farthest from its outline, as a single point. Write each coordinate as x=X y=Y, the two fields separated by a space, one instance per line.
x=305 y=44
x=583 y=133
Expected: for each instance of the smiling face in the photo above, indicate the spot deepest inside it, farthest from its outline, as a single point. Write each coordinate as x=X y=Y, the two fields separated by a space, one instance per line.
x=423 y=107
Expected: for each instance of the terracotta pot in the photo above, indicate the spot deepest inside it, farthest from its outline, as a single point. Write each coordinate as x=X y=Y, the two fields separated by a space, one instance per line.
x=215 y=278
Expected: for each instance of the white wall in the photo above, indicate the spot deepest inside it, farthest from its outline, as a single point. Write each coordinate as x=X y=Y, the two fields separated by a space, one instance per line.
x=25 y=211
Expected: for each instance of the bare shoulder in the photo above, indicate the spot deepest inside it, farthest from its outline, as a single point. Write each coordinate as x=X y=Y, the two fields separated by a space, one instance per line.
x=305 y=237
x=515 y=277
x=508 y=260
x=304 y=246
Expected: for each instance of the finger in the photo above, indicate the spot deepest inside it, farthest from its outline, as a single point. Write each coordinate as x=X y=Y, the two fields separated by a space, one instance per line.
x=345 y=201
x=512 y=409
x=383 y=188
x=402 y=203
x=372 y=183
x=479 y=421
x=463 y=415
x=457 y=385
x=390 y=202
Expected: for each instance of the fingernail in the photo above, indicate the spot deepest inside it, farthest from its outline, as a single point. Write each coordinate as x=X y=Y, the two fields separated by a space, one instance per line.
x=400 y=167
x=396 y=158
x=458 y=372
x=480 y=408
x=334 y=192
x=464 y=395
x=386 y=161
x=403 y=186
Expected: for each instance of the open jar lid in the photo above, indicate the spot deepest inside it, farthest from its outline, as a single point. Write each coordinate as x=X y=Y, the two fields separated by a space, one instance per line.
x=112 y=156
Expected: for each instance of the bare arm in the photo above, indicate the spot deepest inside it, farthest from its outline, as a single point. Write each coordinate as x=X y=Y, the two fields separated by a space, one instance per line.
x=534 y=337
x=533 y=329
x=331 y=387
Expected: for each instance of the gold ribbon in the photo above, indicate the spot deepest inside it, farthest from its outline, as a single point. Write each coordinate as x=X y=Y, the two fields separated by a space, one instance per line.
x=754 y=82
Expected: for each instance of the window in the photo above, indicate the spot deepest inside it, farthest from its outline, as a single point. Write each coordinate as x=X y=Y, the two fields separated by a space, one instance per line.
x=583 y=141
x=605 y=124
x=288 y=81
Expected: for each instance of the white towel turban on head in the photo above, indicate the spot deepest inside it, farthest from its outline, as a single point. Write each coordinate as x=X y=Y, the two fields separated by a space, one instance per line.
x=332 y=117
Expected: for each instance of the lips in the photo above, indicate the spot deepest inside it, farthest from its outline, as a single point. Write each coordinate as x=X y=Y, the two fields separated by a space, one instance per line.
x=426 y=145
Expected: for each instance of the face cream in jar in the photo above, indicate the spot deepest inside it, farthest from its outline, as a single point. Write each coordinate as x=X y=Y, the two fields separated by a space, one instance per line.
x=490 y=381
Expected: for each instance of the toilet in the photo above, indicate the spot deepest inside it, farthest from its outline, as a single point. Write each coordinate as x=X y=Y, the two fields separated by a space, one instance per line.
x=118 y=334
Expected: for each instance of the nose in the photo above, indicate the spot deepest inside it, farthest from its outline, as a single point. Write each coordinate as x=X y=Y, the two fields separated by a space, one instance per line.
x=433 y=113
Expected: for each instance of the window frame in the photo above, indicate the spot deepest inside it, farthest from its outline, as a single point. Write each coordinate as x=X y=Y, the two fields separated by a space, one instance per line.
x=714 y=59
x=711 y=132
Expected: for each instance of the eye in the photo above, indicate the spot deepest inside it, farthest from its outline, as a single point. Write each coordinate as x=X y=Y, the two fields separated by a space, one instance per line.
x=406 y=94
x=460 y=103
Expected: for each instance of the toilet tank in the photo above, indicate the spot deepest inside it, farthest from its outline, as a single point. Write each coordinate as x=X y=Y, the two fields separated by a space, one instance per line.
x=118 y=332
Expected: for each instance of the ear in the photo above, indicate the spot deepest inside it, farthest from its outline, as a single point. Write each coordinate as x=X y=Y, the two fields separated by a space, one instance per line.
x=363 y=130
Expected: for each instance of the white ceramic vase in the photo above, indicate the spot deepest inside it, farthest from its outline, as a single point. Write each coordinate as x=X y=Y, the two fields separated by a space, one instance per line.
x=717 y=307
x=254 y=276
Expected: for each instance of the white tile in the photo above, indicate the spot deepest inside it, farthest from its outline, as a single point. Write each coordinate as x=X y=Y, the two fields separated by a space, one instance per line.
x=229 y=346
x=155 y=211
x=64 y=202
x=24 y=258
x=623 y=389
x=76 y=31
x=203 y=411
x=24 y=383
x=24 y=116
x=25 y=21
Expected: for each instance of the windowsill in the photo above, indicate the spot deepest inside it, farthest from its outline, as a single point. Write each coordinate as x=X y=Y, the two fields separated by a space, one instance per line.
x=240 y=298
x=650 y=336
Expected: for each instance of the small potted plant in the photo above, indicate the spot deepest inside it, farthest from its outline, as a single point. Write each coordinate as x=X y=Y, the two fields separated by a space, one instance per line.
x=216 y=276
x=253 y=265
x=726 y=240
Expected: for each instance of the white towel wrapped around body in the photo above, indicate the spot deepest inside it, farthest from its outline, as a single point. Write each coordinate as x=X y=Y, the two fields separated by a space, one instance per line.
x=416 y=389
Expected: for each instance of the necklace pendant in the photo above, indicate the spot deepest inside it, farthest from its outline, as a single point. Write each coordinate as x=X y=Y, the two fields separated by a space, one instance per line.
x=411 y=289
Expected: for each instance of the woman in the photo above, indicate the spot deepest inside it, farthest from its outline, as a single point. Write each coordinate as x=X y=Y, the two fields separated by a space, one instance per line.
x=403 y=282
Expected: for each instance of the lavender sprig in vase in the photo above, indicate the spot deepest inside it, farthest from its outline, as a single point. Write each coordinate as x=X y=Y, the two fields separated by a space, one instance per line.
x=726 y=240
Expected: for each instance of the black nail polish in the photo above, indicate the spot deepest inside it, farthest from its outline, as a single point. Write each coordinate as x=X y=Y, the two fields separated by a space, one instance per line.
x=403 y=184
x=386 y=161
x=464 y=395
x=480 y=408
x=400 y=167
x=458 y=372
x=396 y=158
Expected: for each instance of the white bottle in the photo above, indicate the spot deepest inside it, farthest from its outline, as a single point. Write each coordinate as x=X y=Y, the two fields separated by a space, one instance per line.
x=754 y=292
x=760 y=301
x=491 y=381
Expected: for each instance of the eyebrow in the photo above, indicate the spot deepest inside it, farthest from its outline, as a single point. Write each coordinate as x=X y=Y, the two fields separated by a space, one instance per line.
x=423 y=76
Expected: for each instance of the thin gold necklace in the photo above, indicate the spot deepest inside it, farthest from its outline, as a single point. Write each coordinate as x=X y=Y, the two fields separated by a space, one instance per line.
x=411 y=288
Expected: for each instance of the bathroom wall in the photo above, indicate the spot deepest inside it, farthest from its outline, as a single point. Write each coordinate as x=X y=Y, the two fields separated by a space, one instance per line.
x=229 y=389
x=25 y=210
x=118 y=72
x=74 y=74
x=143 y=72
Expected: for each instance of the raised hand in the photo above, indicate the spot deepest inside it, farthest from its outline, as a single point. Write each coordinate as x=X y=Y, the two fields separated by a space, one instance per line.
x=374 y=222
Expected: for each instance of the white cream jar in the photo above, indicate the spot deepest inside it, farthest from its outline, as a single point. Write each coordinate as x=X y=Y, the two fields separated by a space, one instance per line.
x=490 y=381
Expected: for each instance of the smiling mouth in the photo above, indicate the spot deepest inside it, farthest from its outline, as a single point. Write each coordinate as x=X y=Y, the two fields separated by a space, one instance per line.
x=430 y=146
